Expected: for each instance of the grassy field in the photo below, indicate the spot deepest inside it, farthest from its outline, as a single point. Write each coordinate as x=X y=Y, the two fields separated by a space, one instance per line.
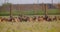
x=30 y=26
x=31 y=12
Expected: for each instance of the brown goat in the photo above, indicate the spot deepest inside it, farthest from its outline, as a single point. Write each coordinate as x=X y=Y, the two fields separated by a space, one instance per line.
x=34 y=18
x=0 y=19
x=40 y=18
x=16 y=19
x=29 y=19
x=55 y=18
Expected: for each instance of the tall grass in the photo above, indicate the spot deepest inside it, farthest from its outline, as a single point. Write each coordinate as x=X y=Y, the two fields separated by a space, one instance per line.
x=30 y=26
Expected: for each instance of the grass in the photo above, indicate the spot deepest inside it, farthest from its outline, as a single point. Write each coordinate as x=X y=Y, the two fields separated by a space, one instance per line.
x=31 y=12
x=30 y=26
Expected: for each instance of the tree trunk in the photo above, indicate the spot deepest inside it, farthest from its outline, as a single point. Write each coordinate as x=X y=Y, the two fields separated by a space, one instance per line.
x=10 y=10
x=45 y=6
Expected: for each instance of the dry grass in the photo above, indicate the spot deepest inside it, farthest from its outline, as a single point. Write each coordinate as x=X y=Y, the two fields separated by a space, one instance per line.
x=30 y=26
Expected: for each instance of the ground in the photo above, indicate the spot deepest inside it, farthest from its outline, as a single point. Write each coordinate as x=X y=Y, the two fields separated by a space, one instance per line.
x=45 y=26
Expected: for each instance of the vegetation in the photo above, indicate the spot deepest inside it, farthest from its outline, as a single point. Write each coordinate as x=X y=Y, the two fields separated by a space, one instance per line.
x=30 y=26
x=38 y=12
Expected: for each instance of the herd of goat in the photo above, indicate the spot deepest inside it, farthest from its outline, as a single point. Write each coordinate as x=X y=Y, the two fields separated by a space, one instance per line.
x=27 y=18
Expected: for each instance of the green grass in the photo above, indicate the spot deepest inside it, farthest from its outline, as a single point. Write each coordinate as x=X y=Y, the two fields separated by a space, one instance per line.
x=30 y=26
x=31 y=12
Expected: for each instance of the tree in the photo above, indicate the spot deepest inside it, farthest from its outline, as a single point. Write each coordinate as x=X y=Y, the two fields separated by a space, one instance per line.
x=10 y=10
x=10 y=6
x=46 y=8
